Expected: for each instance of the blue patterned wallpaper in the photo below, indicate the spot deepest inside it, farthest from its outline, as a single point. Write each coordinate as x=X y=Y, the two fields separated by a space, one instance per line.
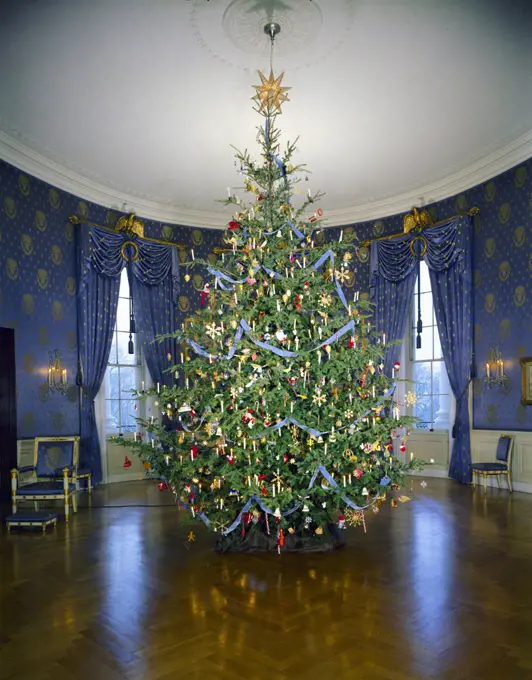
x=502 y=262
x=38 y=290
x=37 y=286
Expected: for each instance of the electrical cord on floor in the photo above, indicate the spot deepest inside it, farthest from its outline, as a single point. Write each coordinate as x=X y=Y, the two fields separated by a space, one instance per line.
x=132 y=505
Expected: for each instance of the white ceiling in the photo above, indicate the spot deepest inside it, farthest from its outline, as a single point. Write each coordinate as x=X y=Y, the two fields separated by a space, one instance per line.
x=134 y=103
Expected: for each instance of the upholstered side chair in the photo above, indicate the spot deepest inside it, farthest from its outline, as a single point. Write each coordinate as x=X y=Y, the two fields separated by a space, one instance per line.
x=501 y=466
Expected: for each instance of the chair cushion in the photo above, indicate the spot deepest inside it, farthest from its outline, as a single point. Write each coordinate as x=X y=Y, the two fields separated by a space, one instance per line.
x=83 y=472
x=43 y=488
x=53 y=456
x=490 y=467
x=31 y=517
x=503 y=449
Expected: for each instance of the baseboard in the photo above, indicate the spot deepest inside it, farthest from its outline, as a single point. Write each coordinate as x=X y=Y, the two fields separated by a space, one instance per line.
x=523 y=487
x=431 y=471
x=128 y=477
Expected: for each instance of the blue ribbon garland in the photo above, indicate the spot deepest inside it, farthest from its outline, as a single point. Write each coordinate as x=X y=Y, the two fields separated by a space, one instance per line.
x=328 y=255
x=244 y=328
x=325 y=474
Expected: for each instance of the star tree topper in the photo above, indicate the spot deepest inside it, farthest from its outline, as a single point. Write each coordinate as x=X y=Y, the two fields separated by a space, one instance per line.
x=270 y=94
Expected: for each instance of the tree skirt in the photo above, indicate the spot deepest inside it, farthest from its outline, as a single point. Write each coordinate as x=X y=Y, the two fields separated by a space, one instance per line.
x=256 y=540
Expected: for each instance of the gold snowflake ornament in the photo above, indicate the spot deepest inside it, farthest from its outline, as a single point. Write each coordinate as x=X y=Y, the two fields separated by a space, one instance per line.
x=213 y=330
x=355 y=518
x=325 y=299
x=318 y=398
x=410 y=399
x=342 y=275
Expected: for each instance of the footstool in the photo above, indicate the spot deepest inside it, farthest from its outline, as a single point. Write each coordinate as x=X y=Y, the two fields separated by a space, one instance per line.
x=31 y=519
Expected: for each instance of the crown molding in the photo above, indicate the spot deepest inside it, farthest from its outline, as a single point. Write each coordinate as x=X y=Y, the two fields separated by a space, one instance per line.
x=24 y=158
x=493 y=164
x=21 y=156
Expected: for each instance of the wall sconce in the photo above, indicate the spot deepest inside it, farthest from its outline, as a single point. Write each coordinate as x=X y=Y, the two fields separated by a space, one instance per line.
x=57 y=375
x=494 y=368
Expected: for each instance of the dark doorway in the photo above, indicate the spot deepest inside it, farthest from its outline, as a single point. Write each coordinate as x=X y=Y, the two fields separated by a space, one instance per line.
x=8 y=412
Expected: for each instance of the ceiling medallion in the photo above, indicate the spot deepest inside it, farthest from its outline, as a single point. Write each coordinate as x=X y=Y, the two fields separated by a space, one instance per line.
x=310 y=31
x=299 y=23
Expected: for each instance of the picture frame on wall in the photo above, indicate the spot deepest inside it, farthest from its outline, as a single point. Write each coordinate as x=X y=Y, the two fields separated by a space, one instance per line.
x=526 y=378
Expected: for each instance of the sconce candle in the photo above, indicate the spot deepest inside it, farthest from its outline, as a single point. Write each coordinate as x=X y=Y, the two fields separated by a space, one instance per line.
x=494 y=368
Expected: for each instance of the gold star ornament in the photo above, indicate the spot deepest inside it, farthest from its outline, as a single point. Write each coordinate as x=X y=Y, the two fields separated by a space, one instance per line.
x=270 y=95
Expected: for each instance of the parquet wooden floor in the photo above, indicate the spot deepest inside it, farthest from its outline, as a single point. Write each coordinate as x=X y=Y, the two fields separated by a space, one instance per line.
x=439 y=588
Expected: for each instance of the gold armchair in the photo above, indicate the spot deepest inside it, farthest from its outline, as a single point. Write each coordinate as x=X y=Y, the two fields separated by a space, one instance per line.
x=54 y=473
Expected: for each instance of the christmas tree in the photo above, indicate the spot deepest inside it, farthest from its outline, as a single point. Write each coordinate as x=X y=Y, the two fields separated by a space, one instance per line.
x=281 y=416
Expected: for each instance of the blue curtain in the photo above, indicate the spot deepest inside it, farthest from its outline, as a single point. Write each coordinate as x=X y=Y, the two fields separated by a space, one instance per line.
x=154 y=281
x=154 y=305
x=452 y=293
x=392 y=279
x=447 y=250
x=99 y=283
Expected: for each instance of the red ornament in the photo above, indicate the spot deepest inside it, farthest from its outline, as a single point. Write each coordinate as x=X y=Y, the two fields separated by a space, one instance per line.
x=351 y=344
x=402 y=448
x=248 y=416
x=286 y=458
x=397 y=365
x=394 y=503
x=280 y=538
x=127 y=463
x=264 y=491
x=204 y=295
x=233 y=224
x=194 y=452
x=260 y=197
x=358 y=473
x=297 y=303
x=230 y=459
x=162 y=486
x=319 y=212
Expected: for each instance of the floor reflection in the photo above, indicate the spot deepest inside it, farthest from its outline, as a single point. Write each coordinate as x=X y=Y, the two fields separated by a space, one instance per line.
x=125 y=575
x=438 y=588
x=432 y=574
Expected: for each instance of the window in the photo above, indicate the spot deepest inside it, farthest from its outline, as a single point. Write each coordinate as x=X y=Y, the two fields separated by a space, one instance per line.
x=123 y=370
x=428 y=370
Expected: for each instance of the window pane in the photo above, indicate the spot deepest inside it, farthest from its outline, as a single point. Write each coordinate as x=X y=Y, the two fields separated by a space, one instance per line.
x=426 y=309
x=111 y=382
x=123 y=356
x=440 y=382
x=422 y=378
x=128 y=381
x=122 y=315
x=435 y=405
x=124 y=284
x=112 y=415
x=112 y=354
x=424 y=277
x=128 y=415
x=422 y=409
x=426 y=345
x=437 y=345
